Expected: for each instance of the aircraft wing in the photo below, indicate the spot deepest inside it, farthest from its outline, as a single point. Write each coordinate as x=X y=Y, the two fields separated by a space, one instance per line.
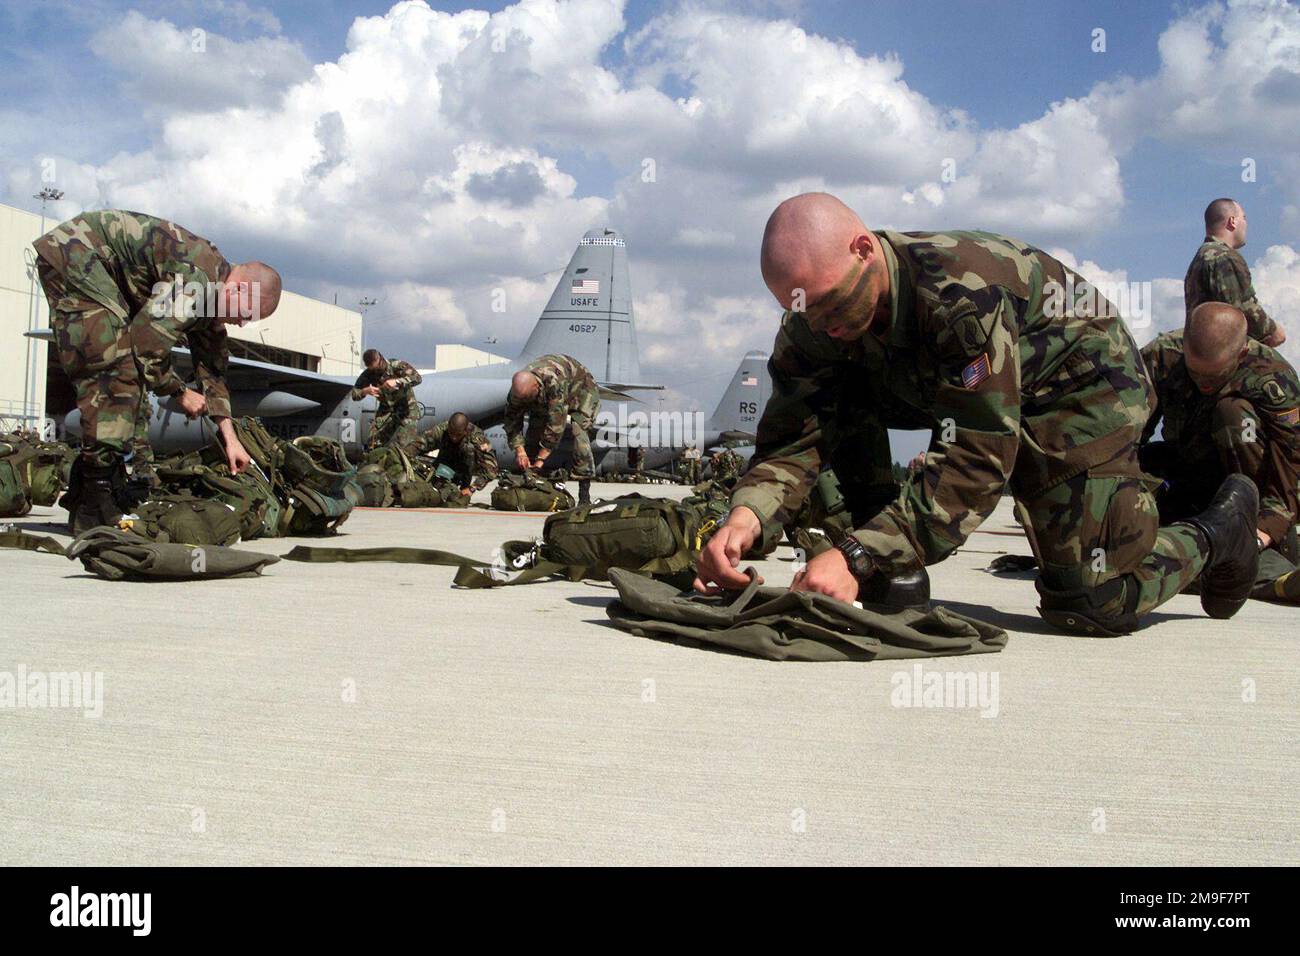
x=624 y=387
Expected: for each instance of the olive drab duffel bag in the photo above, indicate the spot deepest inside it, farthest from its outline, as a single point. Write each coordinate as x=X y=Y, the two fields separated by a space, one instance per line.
x=529 y=493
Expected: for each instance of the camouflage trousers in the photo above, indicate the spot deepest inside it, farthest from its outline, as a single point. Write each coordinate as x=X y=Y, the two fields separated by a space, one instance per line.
x=395 y=425
x=94 y=348
x=582 y=426
x=1098 y=527
x=141 y=451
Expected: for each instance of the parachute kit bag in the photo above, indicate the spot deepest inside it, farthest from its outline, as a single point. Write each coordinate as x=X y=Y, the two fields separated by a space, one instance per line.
x=650 y=535
x=529 y=493
x=181 y=519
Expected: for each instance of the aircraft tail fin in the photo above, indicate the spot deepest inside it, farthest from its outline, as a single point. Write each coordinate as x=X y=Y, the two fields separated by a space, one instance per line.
x=742 y=404
x=589 y=316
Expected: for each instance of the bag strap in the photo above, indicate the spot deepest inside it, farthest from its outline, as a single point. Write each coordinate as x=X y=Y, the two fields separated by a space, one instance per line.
x=468 y=570
x=22 y=541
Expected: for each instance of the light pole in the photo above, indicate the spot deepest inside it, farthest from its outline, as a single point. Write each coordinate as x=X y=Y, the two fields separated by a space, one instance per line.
x=365 y=303
x=47 y=195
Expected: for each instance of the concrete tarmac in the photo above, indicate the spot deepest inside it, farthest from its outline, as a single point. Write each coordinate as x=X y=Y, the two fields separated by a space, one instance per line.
x=369 y=713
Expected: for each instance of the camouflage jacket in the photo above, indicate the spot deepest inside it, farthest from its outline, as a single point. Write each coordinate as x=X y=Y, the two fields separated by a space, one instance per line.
x=1218 y=273
x=1264 y=379
x=473 y=453
x=407 y=378
x=728 y=465
x=1022 y=371
x=137 y=266
x=566 y=385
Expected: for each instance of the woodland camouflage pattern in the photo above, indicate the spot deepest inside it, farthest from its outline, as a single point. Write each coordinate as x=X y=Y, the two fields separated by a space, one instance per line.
x=727 y=466
x=472 y=458
x=568 y=390
x=398 y=412
x=1218 y=273
x=110 y=279
x=1018 y=386
x=1251 y=426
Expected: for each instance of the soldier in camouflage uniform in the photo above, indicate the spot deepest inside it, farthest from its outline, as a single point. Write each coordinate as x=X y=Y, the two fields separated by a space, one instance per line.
x=727 y=466
x=551 y=391
x=1229 y=405
x=124 y=289
x=462 y=446
x=1218 y=272
x=691 y=461
x=1025 y=376
x=393 y=383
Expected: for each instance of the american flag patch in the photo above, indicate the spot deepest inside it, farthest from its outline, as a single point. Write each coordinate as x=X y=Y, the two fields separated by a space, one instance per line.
x=976 y=372
x=1289 y=417
x=585 y=287
x=749 y=380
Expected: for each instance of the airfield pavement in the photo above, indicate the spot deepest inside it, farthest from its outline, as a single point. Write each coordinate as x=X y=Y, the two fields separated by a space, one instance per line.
x=363 y=714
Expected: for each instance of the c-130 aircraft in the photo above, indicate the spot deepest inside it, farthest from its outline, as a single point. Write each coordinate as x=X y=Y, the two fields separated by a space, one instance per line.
x=589 y=317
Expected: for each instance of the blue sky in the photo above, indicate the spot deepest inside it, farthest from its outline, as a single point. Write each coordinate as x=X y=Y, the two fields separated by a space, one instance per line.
x=1107 y=157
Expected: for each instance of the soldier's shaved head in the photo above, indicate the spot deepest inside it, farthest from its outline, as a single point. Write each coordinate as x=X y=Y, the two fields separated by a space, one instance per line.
x=372 y=358
x=811 y=246
x=253 y=292
x=524 y=386
x=1226 y=220
x=1214 y=341
x=458 y=425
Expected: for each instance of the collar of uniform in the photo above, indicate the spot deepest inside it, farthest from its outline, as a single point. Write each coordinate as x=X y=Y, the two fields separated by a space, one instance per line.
x=900 y=293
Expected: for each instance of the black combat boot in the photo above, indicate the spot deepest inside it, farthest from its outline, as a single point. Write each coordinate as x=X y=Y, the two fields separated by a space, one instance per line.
x=102 y=487
x=1228 y=525
x=910 y=589
x=584 y=491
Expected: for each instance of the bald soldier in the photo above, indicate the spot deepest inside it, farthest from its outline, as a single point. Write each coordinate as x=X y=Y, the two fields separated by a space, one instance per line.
x=1218 y=272
x=1229 y=405
x=551 y=391
x=125 y=289
x=461 y=446
x=1023 y=386
x=393 y=383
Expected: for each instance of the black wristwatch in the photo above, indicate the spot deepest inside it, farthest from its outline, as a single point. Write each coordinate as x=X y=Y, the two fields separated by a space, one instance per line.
x=860 y=561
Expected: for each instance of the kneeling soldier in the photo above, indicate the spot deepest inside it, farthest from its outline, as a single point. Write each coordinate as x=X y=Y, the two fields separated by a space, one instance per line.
x=1230 y=405
x=1022 y=383
x=462 y=447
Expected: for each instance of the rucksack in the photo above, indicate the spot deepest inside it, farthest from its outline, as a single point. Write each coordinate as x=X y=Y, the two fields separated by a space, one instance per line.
x=183 y=519
x=250 y=495
x=650 y=535
x=529 y=493
x=32 y=472
x=376 y=488
x=320 y=498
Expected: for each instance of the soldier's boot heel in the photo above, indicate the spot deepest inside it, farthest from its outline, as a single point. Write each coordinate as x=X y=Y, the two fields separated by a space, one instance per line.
x=98 y=503
x=1228 y=525
x=910 y=590
x=1109 y=610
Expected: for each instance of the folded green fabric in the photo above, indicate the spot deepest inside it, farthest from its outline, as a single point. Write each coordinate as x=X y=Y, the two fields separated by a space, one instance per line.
x=122 y=556
x=784 y=625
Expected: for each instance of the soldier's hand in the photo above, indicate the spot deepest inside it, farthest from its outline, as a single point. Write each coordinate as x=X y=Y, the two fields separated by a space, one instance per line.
x=719 y=563
x=521 y=459
x=192 y=403
x=828 y=574
x=371 y=390
x=1277 y=338
x=466 y=492
x=391 y=384
x=237 y=457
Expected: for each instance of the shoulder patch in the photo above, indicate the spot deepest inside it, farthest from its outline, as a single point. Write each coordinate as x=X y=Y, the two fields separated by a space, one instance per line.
x=976 y=372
